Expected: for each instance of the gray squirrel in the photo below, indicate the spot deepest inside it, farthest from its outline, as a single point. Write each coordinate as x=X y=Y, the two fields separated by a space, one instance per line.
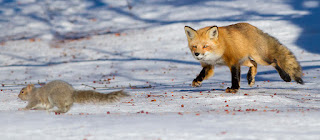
x=62 y=95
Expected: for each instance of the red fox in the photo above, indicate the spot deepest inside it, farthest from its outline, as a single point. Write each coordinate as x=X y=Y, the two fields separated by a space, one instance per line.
x=236 y=45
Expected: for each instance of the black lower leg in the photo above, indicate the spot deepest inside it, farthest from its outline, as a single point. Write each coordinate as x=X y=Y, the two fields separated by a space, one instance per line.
x=201 y=76
x=285 y=76
x=235 y=74
x=249 y=76
x=299 y=80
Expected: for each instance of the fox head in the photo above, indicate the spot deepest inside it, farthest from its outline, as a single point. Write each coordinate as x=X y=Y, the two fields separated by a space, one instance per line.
x=204 y=44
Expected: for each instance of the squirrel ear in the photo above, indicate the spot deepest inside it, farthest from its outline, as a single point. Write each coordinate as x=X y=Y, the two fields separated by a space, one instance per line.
x=213 y=32
x=191 y=33
x=30 y=87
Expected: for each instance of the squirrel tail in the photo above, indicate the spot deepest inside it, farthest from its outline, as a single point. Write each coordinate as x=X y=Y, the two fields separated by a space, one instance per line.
x=90 y=96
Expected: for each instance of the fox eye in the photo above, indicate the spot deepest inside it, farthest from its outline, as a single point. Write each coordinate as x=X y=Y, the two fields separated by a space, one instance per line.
x=205 y=46
x=194 y=46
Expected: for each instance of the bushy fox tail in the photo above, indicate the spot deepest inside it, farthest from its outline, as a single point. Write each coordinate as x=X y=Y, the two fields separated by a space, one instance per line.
x=86 y=96
x=286 y=64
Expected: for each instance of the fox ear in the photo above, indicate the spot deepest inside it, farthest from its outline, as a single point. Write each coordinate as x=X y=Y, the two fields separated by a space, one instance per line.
x=213 y=32
x=191 y=33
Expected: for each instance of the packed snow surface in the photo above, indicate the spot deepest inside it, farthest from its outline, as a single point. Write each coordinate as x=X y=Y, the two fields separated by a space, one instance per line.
x=140 y=46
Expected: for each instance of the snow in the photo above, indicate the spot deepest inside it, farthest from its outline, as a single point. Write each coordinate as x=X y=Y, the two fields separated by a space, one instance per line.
x=141 y=46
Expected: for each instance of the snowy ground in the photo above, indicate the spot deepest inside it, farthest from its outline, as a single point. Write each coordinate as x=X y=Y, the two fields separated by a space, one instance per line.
x=141 y=46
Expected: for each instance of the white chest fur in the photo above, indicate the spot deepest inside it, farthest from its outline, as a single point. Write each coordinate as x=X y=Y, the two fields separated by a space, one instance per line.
x=212 y=59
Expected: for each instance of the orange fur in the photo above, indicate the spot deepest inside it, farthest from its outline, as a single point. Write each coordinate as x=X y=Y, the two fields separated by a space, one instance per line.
x=241 y=44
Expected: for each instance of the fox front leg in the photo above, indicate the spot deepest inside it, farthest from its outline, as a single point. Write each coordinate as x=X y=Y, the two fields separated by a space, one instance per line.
x=206 y=72
x=235 y=79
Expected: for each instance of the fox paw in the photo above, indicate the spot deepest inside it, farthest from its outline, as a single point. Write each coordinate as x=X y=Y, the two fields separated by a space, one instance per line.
x=231 y=90
x=251 y=83
x=196 y=83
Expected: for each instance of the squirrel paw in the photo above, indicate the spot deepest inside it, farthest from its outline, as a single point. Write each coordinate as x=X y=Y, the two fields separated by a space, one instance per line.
x=22 y=109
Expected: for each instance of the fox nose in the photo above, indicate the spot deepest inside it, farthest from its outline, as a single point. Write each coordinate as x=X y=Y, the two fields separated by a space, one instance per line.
x=196 y=54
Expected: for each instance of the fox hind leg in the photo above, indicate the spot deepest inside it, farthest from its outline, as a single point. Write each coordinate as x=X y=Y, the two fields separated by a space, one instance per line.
x=284 y=75
x=250 y=76
x=252 y=73
x=286 y=64
x=252 y=70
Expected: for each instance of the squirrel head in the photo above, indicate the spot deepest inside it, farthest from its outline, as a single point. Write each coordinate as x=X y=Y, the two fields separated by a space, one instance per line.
x=25 y=92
